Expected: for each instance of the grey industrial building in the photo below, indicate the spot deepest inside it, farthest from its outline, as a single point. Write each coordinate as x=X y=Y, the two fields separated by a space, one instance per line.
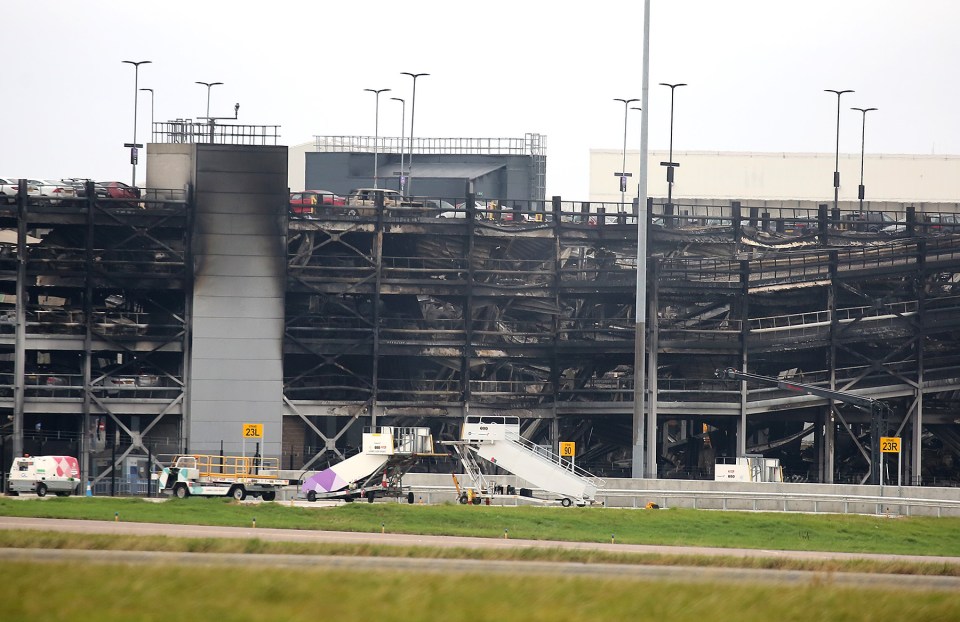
x=142 y=328
x=513 y=168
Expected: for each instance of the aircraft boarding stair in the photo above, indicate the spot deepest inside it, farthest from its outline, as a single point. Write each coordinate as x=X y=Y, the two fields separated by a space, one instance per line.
x=497 y=440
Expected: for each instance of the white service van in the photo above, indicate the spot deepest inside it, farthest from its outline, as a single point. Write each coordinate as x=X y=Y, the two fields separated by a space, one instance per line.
x=43 y=474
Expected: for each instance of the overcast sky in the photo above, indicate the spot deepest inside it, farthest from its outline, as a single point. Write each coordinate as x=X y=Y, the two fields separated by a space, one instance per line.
x=756 y=71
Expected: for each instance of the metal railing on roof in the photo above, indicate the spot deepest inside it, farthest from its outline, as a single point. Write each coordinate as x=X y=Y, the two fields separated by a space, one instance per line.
x=532 y=144
x=188 y=131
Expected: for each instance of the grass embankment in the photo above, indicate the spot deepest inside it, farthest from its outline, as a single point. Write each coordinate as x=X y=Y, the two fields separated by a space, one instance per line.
x=777 y=531
x=108 y=592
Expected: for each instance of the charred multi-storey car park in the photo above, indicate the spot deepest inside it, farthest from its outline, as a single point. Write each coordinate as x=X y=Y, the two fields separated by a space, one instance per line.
x=550 y=331
x=94 y=326
x=523 y=307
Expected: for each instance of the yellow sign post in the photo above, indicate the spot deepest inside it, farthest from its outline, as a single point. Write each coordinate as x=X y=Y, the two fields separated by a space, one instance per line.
x=251 y=431
x=568 y=450
x=889 y=445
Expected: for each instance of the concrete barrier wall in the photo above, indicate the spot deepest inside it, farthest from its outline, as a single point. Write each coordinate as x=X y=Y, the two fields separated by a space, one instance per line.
x=637 y=493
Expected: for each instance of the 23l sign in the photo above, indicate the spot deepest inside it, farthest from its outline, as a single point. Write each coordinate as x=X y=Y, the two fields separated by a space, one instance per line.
x=252 y=430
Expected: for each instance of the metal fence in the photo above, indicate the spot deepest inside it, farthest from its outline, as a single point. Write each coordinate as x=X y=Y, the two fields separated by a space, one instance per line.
x=532 y=144
x=189 y=131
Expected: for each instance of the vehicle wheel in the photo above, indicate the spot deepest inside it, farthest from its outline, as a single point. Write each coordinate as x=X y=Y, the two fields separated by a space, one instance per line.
x=565 y=502
x=410 y=498
x=238 y=492
x=476 y=500
x=463 y=499
x=348 y=498
x=270 y=495
x=63 y=493
x=41 y=490
x=370 y=497
x=180 y=491
x=352 y=212
x=312 y=496
x=13 y=493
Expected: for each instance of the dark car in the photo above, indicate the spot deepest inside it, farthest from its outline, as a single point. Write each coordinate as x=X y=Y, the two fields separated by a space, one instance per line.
x=80 y=185
x=871 y=221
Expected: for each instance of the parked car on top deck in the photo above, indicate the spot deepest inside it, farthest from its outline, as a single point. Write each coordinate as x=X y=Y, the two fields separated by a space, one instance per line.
x=120 y=190
x=9 y=186
x=8 y=190
x=872 y=222
x=80 y=185
x=306 y=202
x=363 y=201
x=55 y=190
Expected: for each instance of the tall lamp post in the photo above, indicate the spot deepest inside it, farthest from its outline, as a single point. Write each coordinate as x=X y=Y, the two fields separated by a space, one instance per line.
x=136 y=91
x=413 y=110
x=836 y=160
x=863 y=135
x=638 y=108
x=151 y=111
x=403 y=134
x=209 y=86
x=623 y=174
x=670 y=164
x=376 y=134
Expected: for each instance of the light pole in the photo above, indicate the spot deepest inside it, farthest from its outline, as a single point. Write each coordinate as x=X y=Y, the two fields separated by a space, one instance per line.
x=836 y=161
x=863 y=135
x=209 y=86
x=623 y=174
x=136 y=91
x=376 y=133
x=670 y=164
x=151 y=111
x=413 y=110
x=403 y=130
x=640 y=109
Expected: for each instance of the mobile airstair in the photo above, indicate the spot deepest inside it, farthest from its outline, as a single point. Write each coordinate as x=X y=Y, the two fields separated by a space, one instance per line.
x=387 y=454
x=496 y=439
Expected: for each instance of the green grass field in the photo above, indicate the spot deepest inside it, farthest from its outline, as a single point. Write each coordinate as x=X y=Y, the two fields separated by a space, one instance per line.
x=774 y=530
x=108 y=591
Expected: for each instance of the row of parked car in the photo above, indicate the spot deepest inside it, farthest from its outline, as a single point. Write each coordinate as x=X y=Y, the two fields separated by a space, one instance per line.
x=57 y=191
x=362 y=201
x=113 y=380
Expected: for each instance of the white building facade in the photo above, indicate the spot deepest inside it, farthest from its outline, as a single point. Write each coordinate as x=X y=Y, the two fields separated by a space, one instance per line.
x=786 y=178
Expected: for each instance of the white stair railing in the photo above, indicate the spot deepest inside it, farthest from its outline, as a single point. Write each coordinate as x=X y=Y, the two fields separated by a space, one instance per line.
x=546 y=455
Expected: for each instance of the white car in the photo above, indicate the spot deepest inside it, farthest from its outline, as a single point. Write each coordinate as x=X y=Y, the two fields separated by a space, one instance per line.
x=9 y=186
x=55 y=190
x=484 y=210
x=444 y=209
